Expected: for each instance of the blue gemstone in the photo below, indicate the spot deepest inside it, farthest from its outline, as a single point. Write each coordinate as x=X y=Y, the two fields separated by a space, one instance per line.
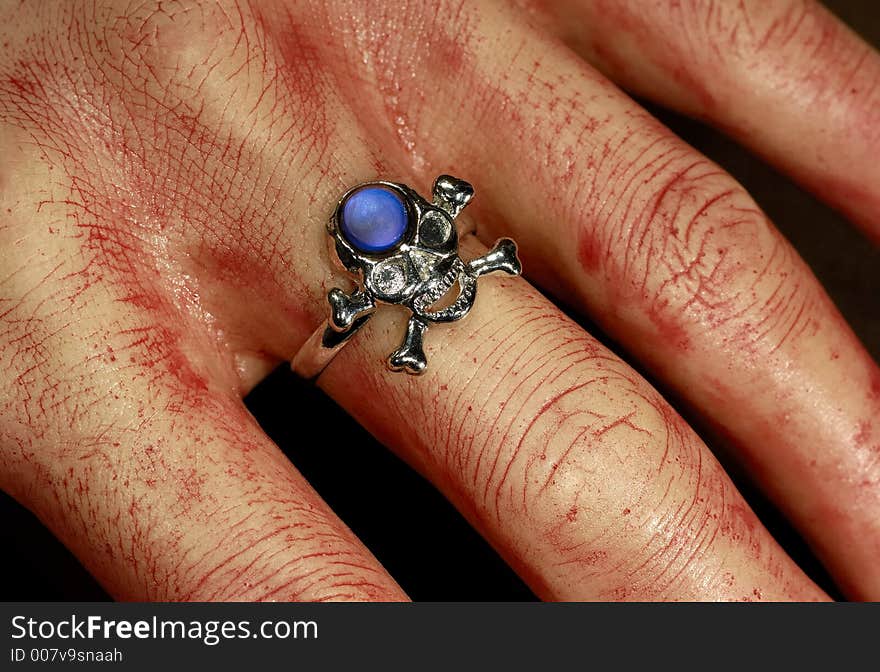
x=374 y=219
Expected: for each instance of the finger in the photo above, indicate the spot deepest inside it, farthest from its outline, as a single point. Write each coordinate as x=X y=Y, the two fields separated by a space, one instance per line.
x=154 y=475
x=676 y=261
x=121 y=426
x=569 y=463
x=564 y=458
x=144 y=461
x=785 y=77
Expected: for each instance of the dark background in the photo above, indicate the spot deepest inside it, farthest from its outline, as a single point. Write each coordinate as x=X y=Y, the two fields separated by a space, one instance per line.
x=434 y=555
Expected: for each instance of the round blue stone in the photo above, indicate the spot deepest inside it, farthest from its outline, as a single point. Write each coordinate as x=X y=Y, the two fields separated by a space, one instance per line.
x=374 y=219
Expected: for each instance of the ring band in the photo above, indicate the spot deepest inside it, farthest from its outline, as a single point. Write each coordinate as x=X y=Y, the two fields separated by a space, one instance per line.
x=401 y=250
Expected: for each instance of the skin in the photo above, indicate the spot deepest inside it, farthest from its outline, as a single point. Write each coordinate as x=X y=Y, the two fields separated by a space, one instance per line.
x=168 y=173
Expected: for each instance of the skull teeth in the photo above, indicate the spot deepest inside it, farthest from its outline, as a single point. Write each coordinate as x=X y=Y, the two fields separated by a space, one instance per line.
x=459 y=307
x=433 y=294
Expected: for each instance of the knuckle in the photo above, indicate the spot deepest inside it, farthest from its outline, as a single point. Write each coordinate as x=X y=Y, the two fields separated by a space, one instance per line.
x=612 y=485
x=257 y=564
x=638 y=510
x=798 y=44
x=743 y=28
x=690 y=245
x=153 y=167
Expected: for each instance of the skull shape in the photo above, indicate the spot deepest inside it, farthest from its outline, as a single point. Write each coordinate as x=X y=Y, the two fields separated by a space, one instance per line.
x=404 y=251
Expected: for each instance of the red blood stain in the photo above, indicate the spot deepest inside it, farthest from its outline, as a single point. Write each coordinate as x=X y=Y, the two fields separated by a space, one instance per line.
x=671 y=329
x=863 y=434
x=874 y=383
x=590 y=253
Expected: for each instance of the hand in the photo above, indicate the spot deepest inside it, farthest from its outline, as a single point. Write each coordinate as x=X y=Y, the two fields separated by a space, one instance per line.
x=168 y=169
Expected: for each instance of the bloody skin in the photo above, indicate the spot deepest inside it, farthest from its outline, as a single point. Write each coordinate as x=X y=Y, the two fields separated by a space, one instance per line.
x=786 y=78
x=795 y=84
x=124 y=430
x=675 y=260
x=710 y=279
x=170 y=180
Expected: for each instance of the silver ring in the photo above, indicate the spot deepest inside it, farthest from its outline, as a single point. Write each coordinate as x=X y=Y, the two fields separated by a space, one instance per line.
x=400 y=250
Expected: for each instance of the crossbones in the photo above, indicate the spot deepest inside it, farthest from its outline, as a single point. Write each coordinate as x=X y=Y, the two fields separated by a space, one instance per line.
x=417 y=271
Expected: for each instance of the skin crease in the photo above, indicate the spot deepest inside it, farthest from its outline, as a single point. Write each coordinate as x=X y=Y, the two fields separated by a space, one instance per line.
x=768 y=73
x=165 y=200
x=577 y=471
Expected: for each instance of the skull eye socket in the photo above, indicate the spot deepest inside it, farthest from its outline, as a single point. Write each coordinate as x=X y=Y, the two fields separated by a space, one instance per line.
x=390 y=276
x=435 y=229
x=374 y=219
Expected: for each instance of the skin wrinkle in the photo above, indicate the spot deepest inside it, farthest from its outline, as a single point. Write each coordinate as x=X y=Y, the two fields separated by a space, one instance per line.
x=736 y=62
x=531 y=440
x=682 y=262
x=634 y=237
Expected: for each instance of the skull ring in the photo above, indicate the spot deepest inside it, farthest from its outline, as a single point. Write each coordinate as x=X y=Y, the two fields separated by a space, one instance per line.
x=401 y=250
